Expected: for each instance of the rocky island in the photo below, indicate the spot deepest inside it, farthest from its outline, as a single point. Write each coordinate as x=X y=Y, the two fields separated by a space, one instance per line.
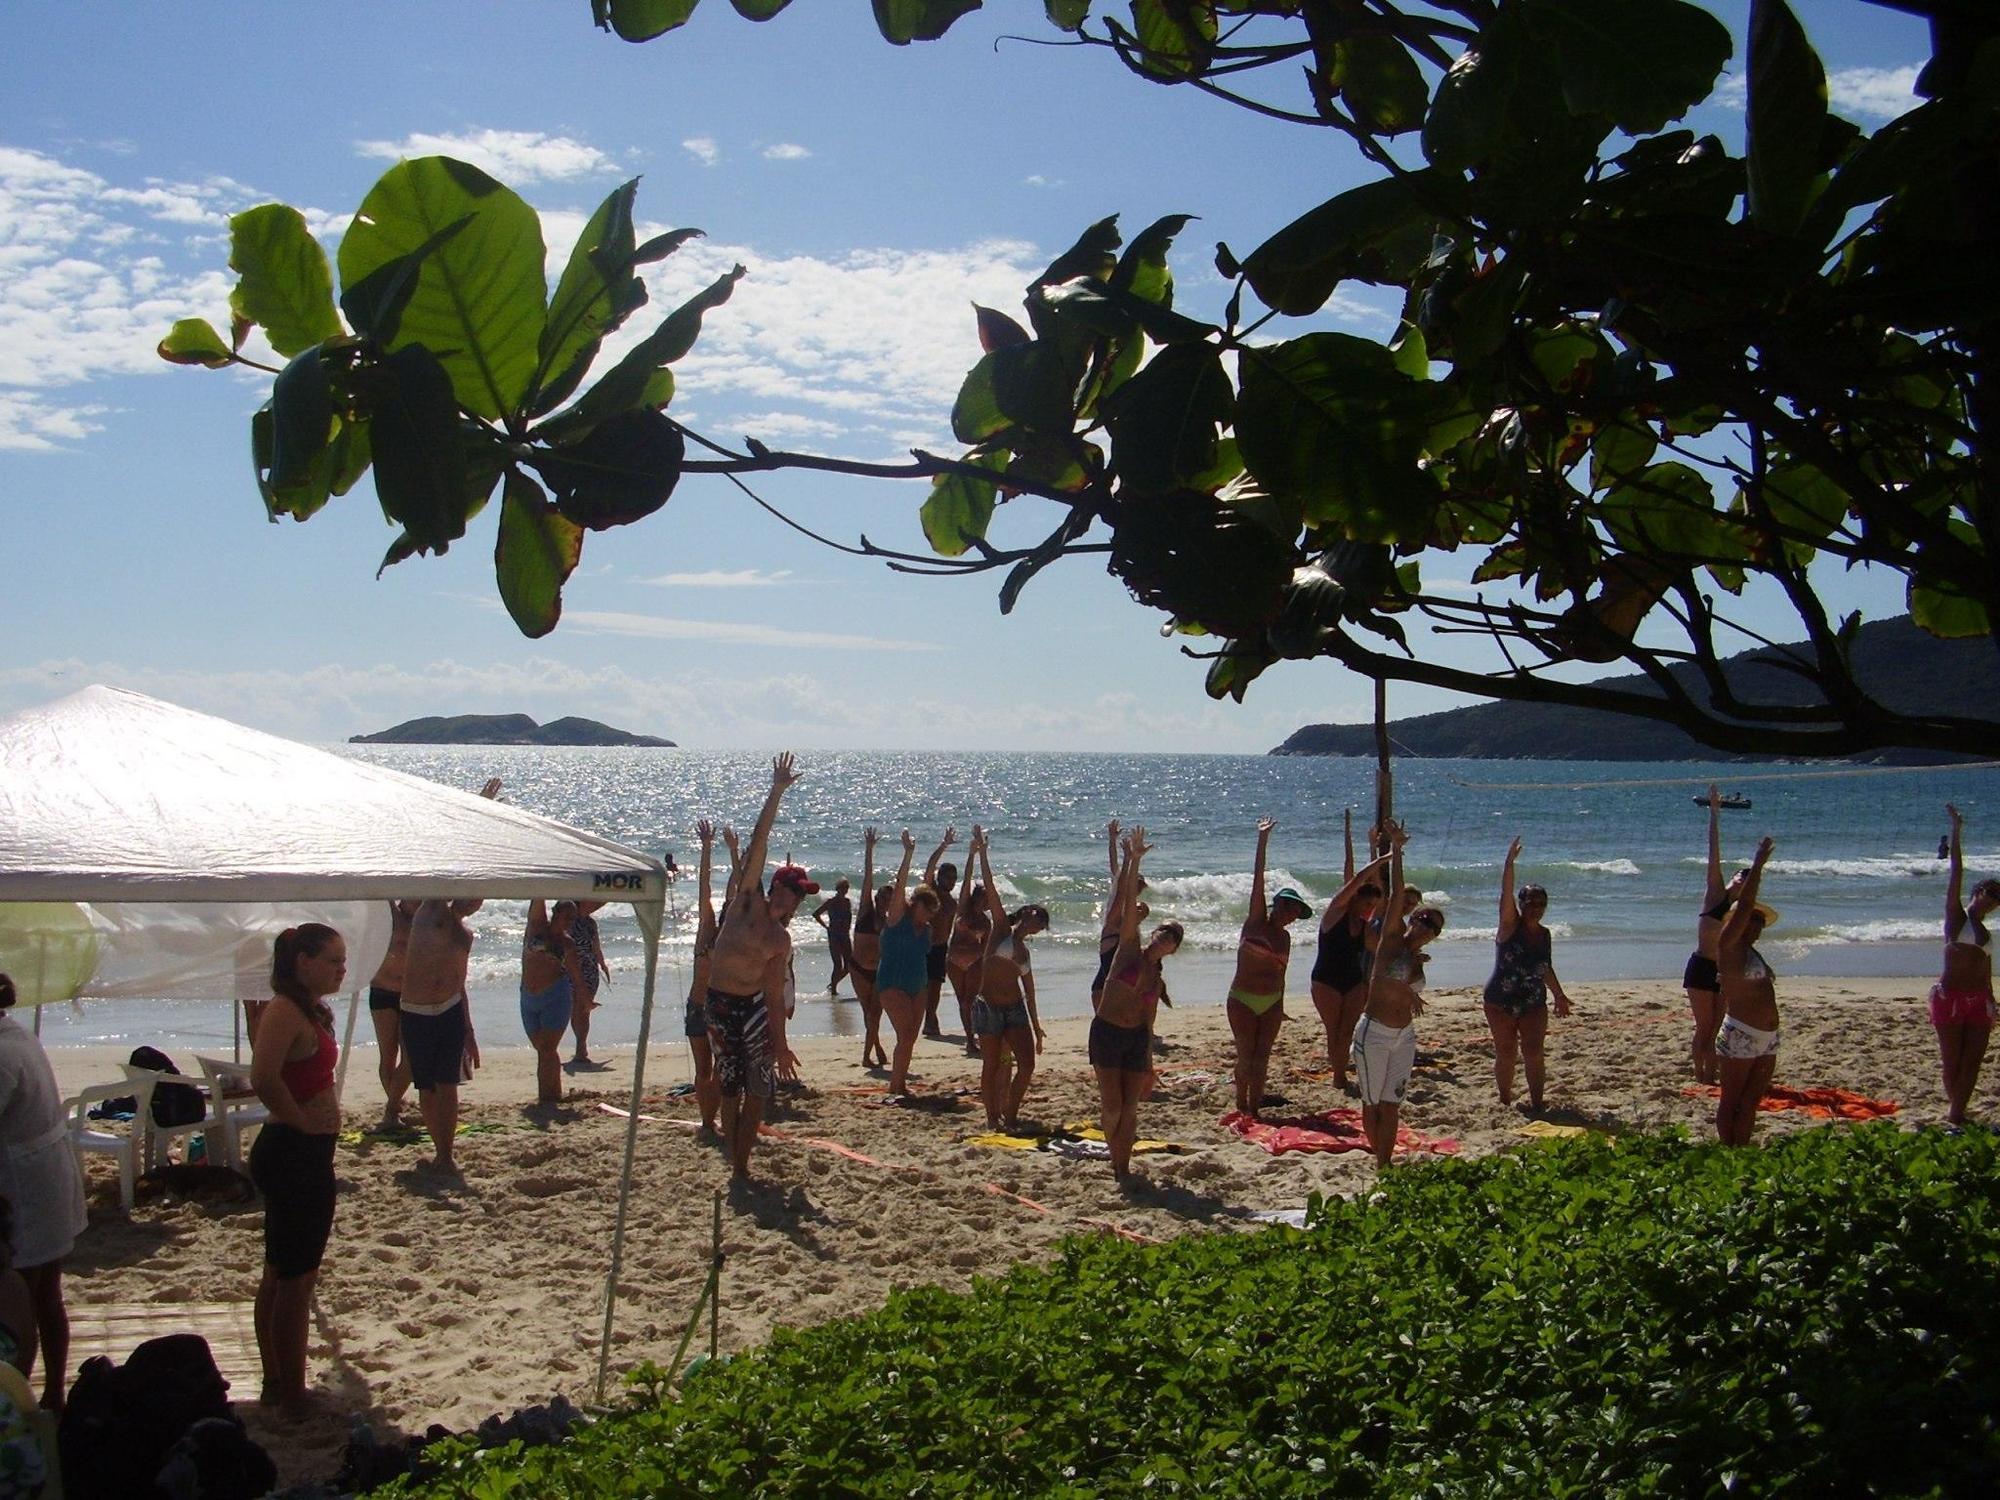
x=505 y=729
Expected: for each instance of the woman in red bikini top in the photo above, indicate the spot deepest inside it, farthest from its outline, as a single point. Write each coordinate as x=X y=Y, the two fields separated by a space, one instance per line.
x=1962 y=1000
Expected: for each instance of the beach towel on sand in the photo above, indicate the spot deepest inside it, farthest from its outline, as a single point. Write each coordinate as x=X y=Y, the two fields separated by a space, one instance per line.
x=1328 y=1130
x=1081 y=1141
x=1820 y=1103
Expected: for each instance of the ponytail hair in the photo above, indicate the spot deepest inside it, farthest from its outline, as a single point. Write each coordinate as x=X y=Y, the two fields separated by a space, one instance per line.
x=306 y=940
x=7 y=990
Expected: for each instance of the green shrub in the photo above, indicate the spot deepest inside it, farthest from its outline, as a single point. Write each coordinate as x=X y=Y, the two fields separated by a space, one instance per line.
x=1585 y=1318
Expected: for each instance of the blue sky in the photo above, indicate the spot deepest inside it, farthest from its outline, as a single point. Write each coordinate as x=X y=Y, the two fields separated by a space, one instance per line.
x=874 y=193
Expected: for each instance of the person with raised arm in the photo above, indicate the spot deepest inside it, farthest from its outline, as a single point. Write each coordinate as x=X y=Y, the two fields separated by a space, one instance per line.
x=1700 y=979
x=1524 y=977
x=1256 y=1003
x=438 y=1038
x=1340 y=967
x=1746 y=1044
x=1961 y=1002
x=590 y=971
x=901 y=974
x=548 y=987
x=1004 y=1017
x=1121 y=1033
x=746 y=982
x=941 y=879
x=863 y=964
x=694 y=1018
x=1107 y=934
x=835 y=916
x=966 y=952
x=1385 y=1035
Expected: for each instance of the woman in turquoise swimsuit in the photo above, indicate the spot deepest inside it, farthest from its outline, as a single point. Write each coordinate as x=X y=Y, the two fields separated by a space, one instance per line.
x=902 y=974
x=1256 y=1005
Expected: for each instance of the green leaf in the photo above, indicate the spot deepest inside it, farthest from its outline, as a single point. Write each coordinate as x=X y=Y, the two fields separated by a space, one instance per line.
x=642 y=20
x=1142 y=269
x=1624 y=447
x=478 y=303
x=619 y=472
x=1094 y=254
x=374 y=304
x=1021 y=385
x=1176 y=37
x=537 y=549
x=419 y=455
x=1381 y=83
x=960 y=506
x=1943 y=609
x=1493 y=98
x=997 y=330
x=1802 y=497
x=285 y=287
x=1068 y=15
x=1164 y=421
x=906 y=21
x=1668 y=509
x=1638 y=63
x=301 y=420
x=1230 y=674
x=194 y=341
x=759 y=10
x=1328 y=419
x=631 y=382
x=1786 y=114
x=1410 y=352
x=1113 y=312
x=1380 y=232
x=597 y=292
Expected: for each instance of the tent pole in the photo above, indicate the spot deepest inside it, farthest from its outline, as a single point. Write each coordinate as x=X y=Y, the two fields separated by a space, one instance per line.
x=650 y=915
x=346 y=1044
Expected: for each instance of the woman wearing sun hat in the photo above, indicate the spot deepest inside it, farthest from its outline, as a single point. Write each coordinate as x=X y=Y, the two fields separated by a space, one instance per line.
x=1524 y=976
x=1256 y=1004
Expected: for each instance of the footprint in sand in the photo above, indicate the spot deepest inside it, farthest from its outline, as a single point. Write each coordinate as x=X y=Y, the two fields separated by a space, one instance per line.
x=547 y=1185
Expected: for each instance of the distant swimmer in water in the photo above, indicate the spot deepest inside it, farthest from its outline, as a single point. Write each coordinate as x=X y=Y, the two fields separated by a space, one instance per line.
x=1256 y=1003
x=1746 y=1047
x=1700 y=979
x=1962 y=1000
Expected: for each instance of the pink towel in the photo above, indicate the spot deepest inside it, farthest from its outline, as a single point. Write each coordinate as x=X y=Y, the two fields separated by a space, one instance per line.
x=1329 y=1130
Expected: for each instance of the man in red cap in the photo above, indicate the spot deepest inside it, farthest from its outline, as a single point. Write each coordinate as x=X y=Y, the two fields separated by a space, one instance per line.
x=746 y=983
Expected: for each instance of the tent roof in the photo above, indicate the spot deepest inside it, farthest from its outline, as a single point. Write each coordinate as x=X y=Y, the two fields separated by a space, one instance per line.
x=109 y=796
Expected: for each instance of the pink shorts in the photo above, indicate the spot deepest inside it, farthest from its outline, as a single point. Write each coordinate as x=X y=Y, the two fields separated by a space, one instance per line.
x=1961 y=1007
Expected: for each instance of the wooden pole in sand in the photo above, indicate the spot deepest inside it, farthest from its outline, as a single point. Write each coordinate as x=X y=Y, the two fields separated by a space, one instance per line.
x=1385 y=801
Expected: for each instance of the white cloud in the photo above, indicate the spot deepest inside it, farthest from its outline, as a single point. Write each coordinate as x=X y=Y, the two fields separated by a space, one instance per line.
x=516 y=157
x=27 y=422
x=728 y=633
x=716 y=578
x=1037 y=180
x=1872 y=93
x=786 y=151
x=703 y=149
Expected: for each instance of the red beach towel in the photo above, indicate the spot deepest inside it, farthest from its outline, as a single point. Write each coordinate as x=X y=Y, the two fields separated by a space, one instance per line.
x=1329 y=1130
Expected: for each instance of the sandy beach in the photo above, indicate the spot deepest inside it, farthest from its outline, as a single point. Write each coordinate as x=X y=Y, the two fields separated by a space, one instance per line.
x=447 y=1304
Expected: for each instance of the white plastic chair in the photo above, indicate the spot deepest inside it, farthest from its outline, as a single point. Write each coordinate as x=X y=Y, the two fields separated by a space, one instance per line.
x=159 y=1139
x=234 y=1102
x=123 y=1139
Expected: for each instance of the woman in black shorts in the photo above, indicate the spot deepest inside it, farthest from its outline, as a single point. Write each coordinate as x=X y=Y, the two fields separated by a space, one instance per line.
x=1701 y=979
x=1340 y=969
x=1121 y=1036
x=291 y=1067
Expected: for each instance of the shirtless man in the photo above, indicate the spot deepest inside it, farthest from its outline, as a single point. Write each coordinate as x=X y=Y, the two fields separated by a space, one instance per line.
x=940 y=878
x=746 y=983
x=385 y=994
x=437 y=1017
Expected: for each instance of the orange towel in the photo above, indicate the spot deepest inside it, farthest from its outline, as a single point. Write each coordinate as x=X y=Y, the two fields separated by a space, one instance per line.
x=1329 y=1130
x=1821 y=1103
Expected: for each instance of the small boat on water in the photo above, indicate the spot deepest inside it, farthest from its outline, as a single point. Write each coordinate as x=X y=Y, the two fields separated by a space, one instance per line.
x=1735 y=801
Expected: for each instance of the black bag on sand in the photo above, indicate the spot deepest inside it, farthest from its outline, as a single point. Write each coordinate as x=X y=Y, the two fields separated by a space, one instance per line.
x=173 y=1103
x=216 y=1460
x=121 y=1421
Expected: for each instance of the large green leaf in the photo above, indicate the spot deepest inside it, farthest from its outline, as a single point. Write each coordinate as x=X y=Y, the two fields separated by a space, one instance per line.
x=1668 y=509
x=1021 y=385
x=619 y=472
x=759 y=10
x=537 y=549
x=419 y=454
x=1176 y=37
x=1164 y=421
x=1142 y=269
x=906 y=21
x=194 y=341
x=1495 y=96
x=285 y=286
x=1381 y=83
x=1786 y=114
x=478 y=303
x=1067 y=14
x=1328 y=419
x=301 y=420
x=635 y=381
x=374 y=304
x=960 y=506
x=1379 y=232
x=642 y=20
x=1638 y=63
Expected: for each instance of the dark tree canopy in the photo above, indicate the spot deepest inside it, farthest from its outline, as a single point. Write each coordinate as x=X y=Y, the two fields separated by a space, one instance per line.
x=1634 y=372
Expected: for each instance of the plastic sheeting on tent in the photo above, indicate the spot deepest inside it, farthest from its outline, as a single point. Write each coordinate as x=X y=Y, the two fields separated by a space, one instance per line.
x=150 y=850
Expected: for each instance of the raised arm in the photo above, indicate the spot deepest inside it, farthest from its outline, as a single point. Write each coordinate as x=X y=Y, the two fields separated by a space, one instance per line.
x=1954 y=891
x=931 y=864
x=898 y=901
x=1111 y=839
x=1509 y=913
x=1347 y=833
x=1259 y=912
x=868 y=837
x=704 y=931
x=1713 y=894
x=993 y=902
x=1336 y=908
x=1736 y=926
x=784 y=775
x=1127 y=897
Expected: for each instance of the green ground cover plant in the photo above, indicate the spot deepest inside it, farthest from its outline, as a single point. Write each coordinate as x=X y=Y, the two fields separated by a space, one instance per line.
x=1643 y=1316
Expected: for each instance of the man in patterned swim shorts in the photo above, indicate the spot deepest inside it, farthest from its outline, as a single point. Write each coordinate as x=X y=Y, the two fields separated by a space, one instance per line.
x=746 y=983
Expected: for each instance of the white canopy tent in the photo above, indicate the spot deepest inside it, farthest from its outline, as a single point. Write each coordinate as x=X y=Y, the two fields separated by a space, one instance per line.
x=147 y=850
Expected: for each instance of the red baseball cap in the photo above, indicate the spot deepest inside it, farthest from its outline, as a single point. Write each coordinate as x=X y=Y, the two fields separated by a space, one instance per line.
x=794 y=876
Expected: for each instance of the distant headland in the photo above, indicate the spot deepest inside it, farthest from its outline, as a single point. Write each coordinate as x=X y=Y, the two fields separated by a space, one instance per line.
x=505 y=729
x=1909 y=670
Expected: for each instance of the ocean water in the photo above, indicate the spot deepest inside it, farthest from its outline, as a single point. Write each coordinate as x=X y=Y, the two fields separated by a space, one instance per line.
x=1620 y=846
